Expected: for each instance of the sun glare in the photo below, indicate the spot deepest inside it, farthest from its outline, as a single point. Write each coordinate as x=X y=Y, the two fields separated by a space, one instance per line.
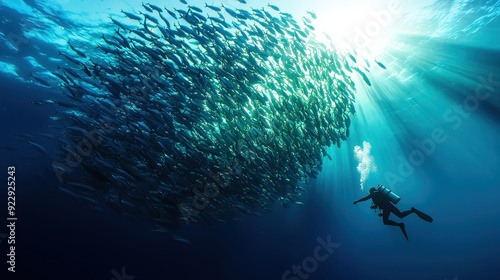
x=366 y=26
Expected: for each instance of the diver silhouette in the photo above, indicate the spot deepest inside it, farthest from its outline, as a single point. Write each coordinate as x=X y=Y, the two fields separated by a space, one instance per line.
x=385 y=200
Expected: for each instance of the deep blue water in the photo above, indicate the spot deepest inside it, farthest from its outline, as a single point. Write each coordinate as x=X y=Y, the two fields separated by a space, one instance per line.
x=456 y=182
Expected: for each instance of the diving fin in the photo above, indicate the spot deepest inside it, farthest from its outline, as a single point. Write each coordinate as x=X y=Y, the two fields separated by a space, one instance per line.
x=403 y=229
x=422 y=215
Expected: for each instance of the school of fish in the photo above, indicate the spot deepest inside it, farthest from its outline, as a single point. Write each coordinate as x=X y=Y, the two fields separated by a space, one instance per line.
x=200 y=113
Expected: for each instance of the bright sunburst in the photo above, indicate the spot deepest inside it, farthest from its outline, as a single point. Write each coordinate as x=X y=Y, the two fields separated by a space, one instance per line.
x=366 y=26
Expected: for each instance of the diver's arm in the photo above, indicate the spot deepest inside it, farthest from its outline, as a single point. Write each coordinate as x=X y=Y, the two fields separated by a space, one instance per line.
x=363 y=199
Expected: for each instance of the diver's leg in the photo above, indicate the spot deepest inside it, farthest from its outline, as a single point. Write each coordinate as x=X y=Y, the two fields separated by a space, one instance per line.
x=385 y=218
x=400 y=214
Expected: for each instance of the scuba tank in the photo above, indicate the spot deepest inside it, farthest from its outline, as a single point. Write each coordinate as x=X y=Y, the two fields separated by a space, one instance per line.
x=391 y=196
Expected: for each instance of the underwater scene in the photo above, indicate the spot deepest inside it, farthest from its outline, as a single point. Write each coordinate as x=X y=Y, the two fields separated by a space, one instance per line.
x=240 y=139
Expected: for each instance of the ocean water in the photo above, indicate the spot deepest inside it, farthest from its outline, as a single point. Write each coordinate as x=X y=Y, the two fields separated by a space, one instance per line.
x=427 y=128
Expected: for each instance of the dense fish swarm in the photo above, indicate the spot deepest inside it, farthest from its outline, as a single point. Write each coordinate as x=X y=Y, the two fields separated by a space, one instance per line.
x=189 y=116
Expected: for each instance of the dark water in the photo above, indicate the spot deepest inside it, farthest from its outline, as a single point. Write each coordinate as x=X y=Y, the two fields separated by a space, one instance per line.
x=456 y=182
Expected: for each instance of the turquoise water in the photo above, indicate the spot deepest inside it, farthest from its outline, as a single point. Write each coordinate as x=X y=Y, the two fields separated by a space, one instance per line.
x=430 y=118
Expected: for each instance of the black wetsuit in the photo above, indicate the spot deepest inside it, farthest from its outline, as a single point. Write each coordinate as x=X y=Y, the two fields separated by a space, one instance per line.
x=382 y=202
x=387 y=208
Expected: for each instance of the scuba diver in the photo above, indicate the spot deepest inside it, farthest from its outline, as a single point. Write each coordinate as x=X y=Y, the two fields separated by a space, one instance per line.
x=385 y=200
